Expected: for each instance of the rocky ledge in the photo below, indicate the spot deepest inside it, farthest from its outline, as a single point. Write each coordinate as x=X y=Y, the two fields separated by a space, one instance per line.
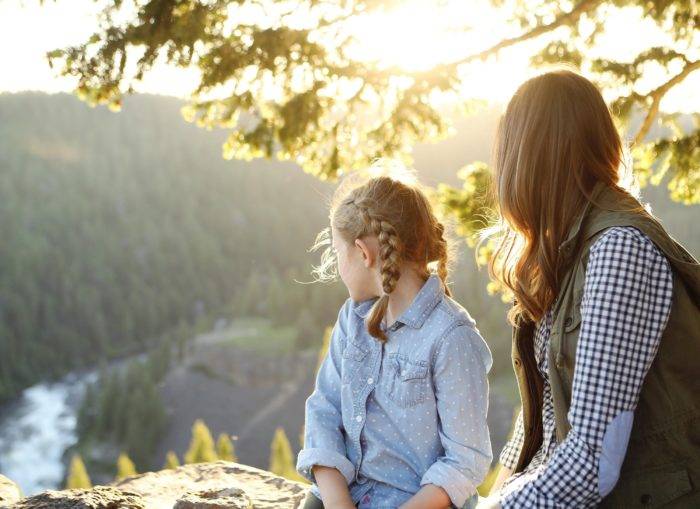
x=215 y=485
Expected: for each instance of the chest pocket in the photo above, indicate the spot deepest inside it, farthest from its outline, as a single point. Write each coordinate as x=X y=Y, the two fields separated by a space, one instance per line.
x=407 y=381
x=353 y=356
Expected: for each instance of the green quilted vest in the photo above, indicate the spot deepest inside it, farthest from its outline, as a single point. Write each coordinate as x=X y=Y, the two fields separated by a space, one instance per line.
x=662 y=464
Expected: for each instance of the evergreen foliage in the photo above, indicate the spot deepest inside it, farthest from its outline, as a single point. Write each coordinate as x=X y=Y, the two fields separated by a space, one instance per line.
x=201 y=447
x=224 y=448
x=77 y=474
x=125 y=467
x=121 y=232
x=329 y=109
x=171 y=460
x=282 y=460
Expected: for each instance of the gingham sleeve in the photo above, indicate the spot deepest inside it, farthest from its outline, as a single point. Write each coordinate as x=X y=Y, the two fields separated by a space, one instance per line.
x=511 y=451
x=625 y=307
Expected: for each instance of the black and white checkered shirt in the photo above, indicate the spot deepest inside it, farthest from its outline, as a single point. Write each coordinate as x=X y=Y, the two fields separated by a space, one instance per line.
x=625 y=307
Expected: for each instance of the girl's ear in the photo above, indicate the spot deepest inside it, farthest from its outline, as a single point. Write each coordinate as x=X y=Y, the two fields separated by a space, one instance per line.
x=368 y=254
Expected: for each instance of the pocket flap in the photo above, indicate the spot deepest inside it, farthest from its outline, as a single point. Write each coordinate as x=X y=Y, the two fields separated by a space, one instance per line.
x=656 y=488
x=354 y=351
x=409 y=369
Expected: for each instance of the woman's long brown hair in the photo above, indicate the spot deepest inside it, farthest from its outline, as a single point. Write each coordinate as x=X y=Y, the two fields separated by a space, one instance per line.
x=555 y=141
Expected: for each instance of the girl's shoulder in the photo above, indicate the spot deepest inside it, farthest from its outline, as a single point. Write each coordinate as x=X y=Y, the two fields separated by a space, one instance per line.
x=460 y=330
x=452 y=313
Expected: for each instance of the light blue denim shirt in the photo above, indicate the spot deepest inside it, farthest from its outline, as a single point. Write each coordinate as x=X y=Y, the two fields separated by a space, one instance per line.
x=394 y=416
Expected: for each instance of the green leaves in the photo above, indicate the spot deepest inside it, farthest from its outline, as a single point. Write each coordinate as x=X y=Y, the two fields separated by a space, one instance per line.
x=472 y=205
x=282 y=79
x=676 y=159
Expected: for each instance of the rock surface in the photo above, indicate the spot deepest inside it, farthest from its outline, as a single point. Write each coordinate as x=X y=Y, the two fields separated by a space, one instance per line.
x=9 y=491
x=99 y=497
x=226 y=498
x=215 y=485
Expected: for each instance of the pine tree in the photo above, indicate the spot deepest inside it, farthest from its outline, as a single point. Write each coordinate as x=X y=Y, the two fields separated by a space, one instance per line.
x=125 y=467
x=201 y=447
x=87 y=411
x=281 y=457
x=171 y=461
x=225 y=449
x=77 y=474
x=109 y=399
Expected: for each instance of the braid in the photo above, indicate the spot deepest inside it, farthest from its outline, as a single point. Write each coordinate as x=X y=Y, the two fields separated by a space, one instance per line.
x=389 y=246
x=390 y=253
x=401 y=217
x=442 y=255
x=390 y=257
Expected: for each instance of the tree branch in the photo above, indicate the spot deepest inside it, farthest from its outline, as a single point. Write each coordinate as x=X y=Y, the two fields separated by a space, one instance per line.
x=566 y=18
x=658 y=93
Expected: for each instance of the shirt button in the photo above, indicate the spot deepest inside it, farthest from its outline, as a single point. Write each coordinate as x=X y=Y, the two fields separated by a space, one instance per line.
x=358 y=418
x=370 y=380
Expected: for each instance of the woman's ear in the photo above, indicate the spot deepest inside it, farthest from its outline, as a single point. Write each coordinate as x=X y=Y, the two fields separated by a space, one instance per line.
x=368 y=254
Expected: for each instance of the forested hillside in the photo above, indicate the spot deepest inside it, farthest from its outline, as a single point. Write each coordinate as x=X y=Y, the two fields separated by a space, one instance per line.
x=116 y=227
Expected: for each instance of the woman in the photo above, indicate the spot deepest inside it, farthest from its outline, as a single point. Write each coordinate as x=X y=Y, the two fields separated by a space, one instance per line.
x=606 y=338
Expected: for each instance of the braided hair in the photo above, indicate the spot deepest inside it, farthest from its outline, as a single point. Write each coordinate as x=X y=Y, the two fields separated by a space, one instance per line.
x=401 y=217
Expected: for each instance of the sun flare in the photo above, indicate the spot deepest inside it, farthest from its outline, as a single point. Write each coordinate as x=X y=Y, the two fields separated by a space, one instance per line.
x=419 y=34
x=414 y=35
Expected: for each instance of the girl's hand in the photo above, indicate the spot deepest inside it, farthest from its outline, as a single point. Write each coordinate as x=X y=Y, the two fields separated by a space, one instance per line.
x=503 y=474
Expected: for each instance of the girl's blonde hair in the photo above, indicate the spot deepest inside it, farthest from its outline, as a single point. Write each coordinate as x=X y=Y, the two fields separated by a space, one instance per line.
x=555 y=141
x=395 y=209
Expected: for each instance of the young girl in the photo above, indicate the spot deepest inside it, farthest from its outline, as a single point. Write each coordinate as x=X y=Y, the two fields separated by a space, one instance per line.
x=606 y=317
x=398 y=414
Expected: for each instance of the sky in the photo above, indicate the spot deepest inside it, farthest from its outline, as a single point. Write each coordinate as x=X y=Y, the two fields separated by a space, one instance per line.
x=414 y=37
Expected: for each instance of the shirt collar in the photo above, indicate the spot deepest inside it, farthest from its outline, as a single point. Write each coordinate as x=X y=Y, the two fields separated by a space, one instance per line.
x=423 y=303
x=362 y=308
x=416 y=313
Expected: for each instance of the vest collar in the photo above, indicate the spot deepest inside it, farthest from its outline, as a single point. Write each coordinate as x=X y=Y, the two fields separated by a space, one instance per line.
x=569 y=243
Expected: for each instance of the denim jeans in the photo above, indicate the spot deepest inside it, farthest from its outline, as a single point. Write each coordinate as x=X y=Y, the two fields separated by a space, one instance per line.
x=311 y=502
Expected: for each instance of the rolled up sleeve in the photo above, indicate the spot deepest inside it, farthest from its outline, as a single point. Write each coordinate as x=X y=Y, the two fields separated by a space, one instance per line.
x=461 y=365
x=324 y=441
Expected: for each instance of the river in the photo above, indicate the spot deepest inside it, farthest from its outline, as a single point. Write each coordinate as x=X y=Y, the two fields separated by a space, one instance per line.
x=38 y=426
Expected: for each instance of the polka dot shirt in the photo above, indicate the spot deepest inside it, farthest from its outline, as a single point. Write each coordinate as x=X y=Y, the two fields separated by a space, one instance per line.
x=393 y=416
